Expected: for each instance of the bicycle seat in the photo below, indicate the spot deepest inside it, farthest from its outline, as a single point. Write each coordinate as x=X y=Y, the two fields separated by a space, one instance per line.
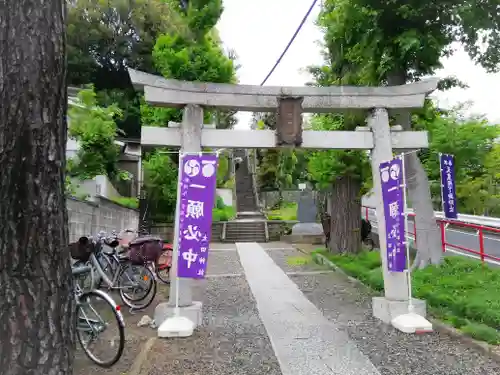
x=122 y=257
x=145 y=239
x=108 y=250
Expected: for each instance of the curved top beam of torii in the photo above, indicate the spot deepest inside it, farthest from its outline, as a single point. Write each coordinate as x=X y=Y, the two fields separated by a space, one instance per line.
x=173 y=93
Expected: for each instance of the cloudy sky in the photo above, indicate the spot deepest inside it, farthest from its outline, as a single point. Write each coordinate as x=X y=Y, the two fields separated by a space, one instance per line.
x=258 y=30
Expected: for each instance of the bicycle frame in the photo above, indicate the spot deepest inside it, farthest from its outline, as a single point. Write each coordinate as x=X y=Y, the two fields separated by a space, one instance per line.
x=84 y=322
x=110 y=283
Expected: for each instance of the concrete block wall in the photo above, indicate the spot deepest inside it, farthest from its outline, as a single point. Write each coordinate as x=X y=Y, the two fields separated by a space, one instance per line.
x=86 y=218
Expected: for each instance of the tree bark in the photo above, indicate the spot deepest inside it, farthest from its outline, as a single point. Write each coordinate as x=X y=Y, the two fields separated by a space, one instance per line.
x=428 y=236
x=345 y=233
x=37 y=319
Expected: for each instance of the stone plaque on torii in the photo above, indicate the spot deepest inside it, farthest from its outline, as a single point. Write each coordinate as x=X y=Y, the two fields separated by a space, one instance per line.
x=289 y=103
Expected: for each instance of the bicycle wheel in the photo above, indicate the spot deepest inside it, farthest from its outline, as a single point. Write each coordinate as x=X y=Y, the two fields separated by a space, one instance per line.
x=163 y=265
x=163 y=273
x=90 y=326
x=137 y=286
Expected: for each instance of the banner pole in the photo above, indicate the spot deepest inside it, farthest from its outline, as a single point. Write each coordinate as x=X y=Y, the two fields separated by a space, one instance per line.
x=407 y=243
x=177 y=235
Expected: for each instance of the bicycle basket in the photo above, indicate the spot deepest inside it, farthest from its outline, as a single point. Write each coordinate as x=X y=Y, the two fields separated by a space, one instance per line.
x=81 y=249
x=145 y=249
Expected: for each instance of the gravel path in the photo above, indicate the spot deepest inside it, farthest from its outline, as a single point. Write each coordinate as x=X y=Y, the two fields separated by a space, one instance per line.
x=223 y=262
x=392 y=352
x=232 y=340
x=293 y=261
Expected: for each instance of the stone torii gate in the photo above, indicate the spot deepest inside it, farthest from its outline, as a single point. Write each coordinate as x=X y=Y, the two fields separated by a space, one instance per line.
x=289 y=102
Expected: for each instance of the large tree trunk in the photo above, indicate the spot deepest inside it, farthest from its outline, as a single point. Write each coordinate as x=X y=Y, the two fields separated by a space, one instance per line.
x=37 y=319
x=419 y=193
x=345 y=234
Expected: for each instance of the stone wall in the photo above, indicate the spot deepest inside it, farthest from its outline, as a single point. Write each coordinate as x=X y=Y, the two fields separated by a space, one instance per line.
x=166 y=231
x=278 y=228
x=88 y=218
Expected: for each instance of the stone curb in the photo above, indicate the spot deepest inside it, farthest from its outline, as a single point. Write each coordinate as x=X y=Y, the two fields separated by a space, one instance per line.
x=318 y=258
x=138 y=364
x=488 y=349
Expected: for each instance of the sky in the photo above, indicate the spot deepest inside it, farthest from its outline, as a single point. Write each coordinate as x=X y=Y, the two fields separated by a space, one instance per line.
x=259 y=30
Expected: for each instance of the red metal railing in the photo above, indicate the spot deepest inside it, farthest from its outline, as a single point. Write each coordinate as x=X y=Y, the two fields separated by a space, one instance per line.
x=474 y=230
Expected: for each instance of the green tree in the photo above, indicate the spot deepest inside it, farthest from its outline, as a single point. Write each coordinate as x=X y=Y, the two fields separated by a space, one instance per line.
x=343 y=173
x=160 y=176
x=105 y=37
x=396 y=42
x=471 y=141
x=346 y=175
x=197 y=56
x=190 y=60
x=94 y=128
x=278 y=169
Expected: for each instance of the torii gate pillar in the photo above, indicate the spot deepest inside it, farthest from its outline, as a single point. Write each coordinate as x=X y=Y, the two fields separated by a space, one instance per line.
x=190 y=130
x=395 y=300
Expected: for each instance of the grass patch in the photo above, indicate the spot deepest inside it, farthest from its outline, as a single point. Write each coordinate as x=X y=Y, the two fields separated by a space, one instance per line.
x=298 y=261
x=461 y=292
x=287 y=212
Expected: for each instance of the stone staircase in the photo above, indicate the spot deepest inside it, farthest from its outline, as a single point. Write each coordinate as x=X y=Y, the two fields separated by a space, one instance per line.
x=250 y=225
x=245 y=195
x=246 y=231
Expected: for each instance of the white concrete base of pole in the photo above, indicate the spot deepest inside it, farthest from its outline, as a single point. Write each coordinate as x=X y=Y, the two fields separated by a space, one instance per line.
x=176 y=326
x=193 y=312
x=411 y=323
x=387 y=309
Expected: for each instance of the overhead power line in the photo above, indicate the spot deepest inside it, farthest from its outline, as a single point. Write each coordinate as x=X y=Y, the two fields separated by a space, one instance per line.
x=290 y=42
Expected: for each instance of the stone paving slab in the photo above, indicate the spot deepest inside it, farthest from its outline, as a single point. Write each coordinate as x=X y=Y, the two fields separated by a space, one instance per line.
x=232 y=340
x=305 y=342
x=348 y=305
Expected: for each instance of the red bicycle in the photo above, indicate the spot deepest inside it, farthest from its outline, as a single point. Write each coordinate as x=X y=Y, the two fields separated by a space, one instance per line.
x=164 y=263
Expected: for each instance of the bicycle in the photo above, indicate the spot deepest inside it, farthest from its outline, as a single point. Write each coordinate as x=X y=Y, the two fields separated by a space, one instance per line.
x=96 y=326
x=162 y=264
x=135 y=282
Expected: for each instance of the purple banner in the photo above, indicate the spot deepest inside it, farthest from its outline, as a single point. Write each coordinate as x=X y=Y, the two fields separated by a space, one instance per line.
x=391 y=177
x=198 y=180
x=448 y=194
